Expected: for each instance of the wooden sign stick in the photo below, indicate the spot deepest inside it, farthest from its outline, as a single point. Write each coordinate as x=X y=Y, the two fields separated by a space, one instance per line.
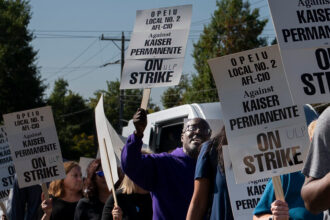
x=278 y=188
x=145 y=98
x=45 y=191
x=112 y=183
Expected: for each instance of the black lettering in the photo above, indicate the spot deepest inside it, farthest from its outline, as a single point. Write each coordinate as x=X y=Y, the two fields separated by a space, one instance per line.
x=133 y=79
x=309 y=89
x=248 y=161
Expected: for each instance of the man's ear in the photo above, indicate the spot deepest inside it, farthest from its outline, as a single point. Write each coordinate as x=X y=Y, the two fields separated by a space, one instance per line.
x=182 y=137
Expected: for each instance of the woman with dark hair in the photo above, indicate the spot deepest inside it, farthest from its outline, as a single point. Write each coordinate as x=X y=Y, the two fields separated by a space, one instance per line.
x=96 y=193
x=210 y=186
x=65 y=194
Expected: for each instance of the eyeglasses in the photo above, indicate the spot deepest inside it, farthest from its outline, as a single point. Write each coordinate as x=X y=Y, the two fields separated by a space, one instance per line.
x=194 y=128
x=100 y=173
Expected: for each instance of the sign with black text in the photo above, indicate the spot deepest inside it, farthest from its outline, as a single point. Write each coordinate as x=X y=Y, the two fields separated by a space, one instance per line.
x=156 y=52
x=34 y=146
x=271 y=152
x=303 y=34
x=253 y=91
x=244 y=197
x=7 y=170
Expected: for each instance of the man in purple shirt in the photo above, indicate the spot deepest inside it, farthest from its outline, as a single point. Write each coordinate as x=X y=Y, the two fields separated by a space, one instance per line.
x=168 y=176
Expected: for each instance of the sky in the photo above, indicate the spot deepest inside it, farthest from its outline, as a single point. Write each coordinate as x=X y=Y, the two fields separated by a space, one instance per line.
x=67 y=38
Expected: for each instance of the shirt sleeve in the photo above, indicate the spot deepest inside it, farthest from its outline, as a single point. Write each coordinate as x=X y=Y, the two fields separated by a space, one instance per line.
x=317 y=164
x=203 y=166
x=266 y=200
x=141 y=169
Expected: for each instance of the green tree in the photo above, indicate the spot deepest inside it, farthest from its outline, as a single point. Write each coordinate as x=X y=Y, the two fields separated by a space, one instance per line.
x=173 y=96
x=132 y=101
x=233 y=28
x=20 y=81
x=74 y=121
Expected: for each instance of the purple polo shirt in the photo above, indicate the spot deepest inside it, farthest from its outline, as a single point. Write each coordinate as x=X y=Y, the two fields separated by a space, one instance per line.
x=168 y=177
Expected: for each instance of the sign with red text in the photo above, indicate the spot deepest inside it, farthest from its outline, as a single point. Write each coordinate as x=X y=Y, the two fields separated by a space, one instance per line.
x=303 y=33
x=7 y=170
x=254 y=92
x=157 y=47
x=244 y=197
x=271 y=152
x=34 y=146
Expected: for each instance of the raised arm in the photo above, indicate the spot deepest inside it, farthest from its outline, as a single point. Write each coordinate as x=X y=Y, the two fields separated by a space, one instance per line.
x=139 y=168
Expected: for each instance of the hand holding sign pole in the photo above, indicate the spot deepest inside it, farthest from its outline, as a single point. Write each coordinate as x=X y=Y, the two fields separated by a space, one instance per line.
x=266 y=130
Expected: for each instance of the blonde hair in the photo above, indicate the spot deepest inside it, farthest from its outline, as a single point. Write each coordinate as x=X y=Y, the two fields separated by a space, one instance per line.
x=127 y=186
x=311 y=128
x=56 y=187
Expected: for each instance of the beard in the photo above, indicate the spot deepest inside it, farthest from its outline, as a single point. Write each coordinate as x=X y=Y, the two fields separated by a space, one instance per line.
x=193 y=150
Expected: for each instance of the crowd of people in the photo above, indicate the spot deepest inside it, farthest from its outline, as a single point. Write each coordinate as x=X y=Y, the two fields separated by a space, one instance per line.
x=187 y=183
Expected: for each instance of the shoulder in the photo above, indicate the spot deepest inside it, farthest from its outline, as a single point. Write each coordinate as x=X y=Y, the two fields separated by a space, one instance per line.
x=84 y=202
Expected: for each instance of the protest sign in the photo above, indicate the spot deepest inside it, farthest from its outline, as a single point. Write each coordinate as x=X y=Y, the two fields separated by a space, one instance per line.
x=253 y=91
x=7 y=170
x=83 y=163
x=271 y=152
x=34 y=146
x=156 y=52
x=303 y=33
x=301 y=24
x=243 y=197
x=152 y=73
x=108 y=158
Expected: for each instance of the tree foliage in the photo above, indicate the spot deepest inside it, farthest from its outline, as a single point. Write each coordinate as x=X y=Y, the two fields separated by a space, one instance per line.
x=74 y=121
x=20 y=82
x=173 y=96
x=233 y=28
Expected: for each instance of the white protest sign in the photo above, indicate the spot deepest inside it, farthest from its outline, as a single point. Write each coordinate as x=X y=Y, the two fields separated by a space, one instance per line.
x=243 y=197
x=163 y=19
x=170 y=76
x=144 y=45
x=253 y=91
x=83 y=163
x=106 y=146
x=271 y=152
x=34 y=146
x=301 y=24
x=303 y=33
x=7 y=170
x=116 y=141
x=156 y=52
x=308 y=73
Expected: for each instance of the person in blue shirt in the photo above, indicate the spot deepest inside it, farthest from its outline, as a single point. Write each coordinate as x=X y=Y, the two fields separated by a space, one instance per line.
x=211 y=196
x=293 y=207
